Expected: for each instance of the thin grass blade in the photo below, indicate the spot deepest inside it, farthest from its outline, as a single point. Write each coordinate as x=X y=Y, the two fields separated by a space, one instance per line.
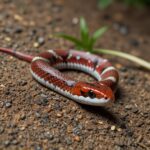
x=97 y=34
x=84 y=31
x=70 y=38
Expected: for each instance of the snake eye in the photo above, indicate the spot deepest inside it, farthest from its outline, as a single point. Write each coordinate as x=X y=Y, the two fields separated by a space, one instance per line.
x=83 y=93
x=106 y=97
x=91 y=94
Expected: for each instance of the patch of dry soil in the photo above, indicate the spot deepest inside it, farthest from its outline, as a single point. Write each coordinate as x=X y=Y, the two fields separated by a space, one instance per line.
x=34 y=117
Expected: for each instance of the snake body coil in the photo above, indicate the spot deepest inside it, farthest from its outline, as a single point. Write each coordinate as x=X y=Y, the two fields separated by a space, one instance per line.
x=45 y=69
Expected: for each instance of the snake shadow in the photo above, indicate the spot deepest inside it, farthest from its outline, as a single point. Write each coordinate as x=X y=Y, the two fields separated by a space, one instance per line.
x=107 y=113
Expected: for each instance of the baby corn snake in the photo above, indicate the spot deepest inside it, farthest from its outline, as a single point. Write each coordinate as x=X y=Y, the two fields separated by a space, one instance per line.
x=45 y=69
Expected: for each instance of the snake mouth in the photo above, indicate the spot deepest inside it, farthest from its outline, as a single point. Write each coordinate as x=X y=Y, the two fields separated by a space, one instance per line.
x=93 y=102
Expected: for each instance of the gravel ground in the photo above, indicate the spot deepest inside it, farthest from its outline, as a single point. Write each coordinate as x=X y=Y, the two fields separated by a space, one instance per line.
x=33 y=117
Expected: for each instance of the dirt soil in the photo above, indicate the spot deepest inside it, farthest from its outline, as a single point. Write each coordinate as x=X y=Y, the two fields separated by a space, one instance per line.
x=34 y=117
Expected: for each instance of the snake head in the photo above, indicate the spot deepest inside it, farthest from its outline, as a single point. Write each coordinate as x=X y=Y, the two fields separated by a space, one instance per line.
x=93 y=94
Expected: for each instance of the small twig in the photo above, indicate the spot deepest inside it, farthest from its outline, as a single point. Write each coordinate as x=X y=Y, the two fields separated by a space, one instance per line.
x=132 y=58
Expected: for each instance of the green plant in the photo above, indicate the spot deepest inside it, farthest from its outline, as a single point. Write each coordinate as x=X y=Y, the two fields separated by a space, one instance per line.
x=104 y=3
x=86 y=42
x=137 y=3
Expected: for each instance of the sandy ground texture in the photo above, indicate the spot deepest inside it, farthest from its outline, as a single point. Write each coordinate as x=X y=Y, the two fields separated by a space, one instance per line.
x=33 y=117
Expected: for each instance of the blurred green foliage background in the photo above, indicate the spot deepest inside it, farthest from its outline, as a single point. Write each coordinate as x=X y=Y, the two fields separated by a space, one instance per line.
x=137 y=3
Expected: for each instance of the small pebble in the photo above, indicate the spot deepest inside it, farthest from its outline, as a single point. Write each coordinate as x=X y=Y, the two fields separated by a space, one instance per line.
x=57 y=106
x=22 y=82
x=37 y=114
x=8 y=30
x=113 y=128
x=131 y=80
x=77 y=130
x=41 y=40
x=8 y=104
x=22 y=128
x=18 y=17
x=2 y=85
x=14 y=142
x=119 y=129
x=100 y=122
x=37 y=147
x=139 y=124
x=118 y=66
x=45 y=118
x=69 y=129
x=77 y=138
x=135 y=110
x=128 y=107
x=36 y=45
x=6 y=143
x=79 y=116
x=68 y=141
x=1 y=130
x=32 y=32
x=56 y=140
x=75 y=20
x=18 y=29
x=41 y=101
x=23 y=116
x=15 y=46
x=49 y=136
x=7 y=39
x=124 y=30
x=59 y=115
